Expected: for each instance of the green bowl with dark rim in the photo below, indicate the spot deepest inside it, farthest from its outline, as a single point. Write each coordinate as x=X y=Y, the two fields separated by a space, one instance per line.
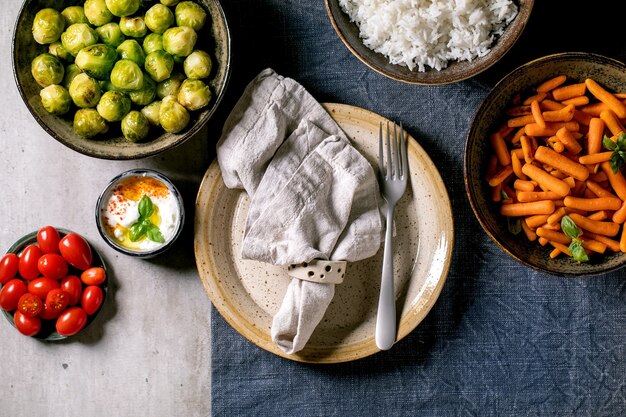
x=48 y=331
x=490 y=114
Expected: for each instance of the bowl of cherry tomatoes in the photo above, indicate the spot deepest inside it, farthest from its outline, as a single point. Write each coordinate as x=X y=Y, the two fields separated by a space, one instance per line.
x=53 y=284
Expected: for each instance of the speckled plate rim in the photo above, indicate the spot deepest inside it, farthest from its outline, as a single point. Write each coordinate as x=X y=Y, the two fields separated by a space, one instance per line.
x=467 y=171
x=418 y=78
x=215 y=286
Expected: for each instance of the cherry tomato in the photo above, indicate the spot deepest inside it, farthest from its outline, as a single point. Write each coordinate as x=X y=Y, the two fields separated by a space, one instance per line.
x=91 y=299
x=47 y=314
x=76 y=251
x=93 y=276
x=52 y=266
x=28 y=262
x=28 y=326
x=8 y=267
x=57 y=300
x=48 y=239
x=71 y=321
x=29 y=305
x=42 y=286
x=10 y=294
x=72 y=285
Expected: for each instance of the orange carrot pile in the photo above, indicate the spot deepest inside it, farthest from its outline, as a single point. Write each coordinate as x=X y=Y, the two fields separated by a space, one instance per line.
x=551 y=160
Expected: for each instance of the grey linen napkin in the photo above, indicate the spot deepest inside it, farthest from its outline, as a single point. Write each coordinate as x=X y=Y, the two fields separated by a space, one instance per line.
x=313 y=196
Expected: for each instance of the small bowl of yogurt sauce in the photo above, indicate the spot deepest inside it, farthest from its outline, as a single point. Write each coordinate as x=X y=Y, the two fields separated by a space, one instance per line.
x=140 y=213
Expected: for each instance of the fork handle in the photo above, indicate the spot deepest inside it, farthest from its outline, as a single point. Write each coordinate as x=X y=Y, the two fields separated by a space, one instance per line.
x=386 y=317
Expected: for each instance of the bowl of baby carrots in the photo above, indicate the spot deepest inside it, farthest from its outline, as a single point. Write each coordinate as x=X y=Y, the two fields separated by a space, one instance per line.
x=545 y=164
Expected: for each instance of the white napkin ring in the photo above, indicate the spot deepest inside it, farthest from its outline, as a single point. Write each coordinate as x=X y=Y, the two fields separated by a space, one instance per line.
x=325 y=272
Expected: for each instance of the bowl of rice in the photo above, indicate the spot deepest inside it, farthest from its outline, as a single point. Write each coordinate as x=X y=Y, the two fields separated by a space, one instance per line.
x=429 y=42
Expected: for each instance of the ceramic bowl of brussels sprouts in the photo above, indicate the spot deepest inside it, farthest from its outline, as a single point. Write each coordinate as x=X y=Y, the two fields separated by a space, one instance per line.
x=121 y=79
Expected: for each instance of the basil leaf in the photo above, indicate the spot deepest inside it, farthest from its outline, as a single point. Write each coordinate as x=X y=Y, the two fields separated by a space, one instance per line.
x=154 y=234
x=617 y=162
x=569 y=227
x=137 y=231
x=514 y=225
x=608 y=143
x=578 y=252
x=621 y=141
x=146 y=208
x=146 y=223
x=504 y=195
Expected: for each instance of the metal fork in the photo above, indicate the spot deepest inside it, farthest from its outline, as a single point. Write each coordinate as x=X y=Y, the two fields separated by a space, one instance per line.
x=393 y=179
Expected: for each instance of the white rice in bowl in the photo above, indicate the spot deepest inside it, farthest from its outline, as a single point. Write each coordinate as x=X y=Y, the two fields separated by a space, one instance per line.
x=429 y=33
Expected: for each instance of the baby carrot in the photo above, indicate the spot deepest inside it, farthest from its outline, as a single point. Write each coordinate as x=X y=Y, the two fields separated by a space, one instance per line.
x=602 y=228
x=527 y=209
x=612 y=122
x=594 y=245
x=604 y=96
x=547 y=156
x=599 y=176
x=536 y=220
x=546 y=180
x=521 y=120
x=569 y=91
x=528 y=196
x=536 y=113
x=523 y=185
x=556 y=217
x=599 y=191
x=517 y=167
x=551 y=84
x=594 y=109
x=595 y=135
x=581 y=117
x=496 y=193
x=517 y=111
x=593 y=204
x=570 y=143
x=529 y=153
x=595 y=158
x=616 y=180
x=576 y=101
x=610 y=243
x=565 y=114
x=553 y=235
x=516 y=137
x=537 y=97
x=622 y=241
x=492 y=166
x=543 y=241
x=560 y=247
x=499 y=147
x=556 y=144
x=554 y=253
x=500 y=176
x=533 y=129
x=620 y=214
x=519 y=152
x=599 y=215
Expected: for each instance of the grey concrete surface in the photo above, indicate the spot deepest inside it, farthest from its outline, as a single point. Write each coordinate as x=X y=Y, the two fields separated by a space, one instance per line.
x=148 y=352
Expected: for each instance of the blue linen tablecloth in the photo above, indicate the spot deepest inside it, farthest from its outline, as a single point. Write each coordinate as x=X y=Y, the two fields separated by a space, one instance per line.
x=502 y=340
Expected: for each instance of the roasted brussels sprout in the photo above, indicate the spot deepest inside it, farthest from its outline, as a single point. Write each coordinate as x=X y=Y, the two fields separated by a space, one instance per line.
x=198 y=65
x=55 y=99
x=48 y=26
x=126 y=75
x=135 y=126
x=110 y=34
x=135 y=27
x=113 y=106
x=146 y=95
x=159 y=65
x=130 y=49
x=170 y=86
x=57 y=49
x=85 y=91
x=78 y=36
x=191 y=14
x=194 y=94
x=152 y=42
x=71 y=71
x=122 y=8
x=179 y=41
x=97 y=12
x=170 y=2
x=173 y=117
x=74 y=14
x=159 y=18
x=47 y=69
x=88 y=123
x=97 y=60
x=151 y=111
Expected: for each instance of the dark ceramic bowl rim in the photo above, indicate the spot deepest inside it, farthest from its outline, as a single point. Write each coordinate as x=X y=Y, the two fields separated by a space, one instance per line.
x=474 y=67
x=466 y=168
x=139 y=155
x=170 y=185
x=20 y=244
